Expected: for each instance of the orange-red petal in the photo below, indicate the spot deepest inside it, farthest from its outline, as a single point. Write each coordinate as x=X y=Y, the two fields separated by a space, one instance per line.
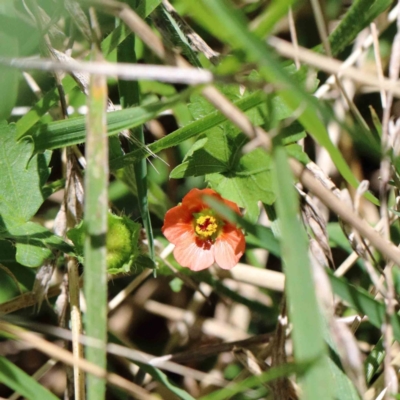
x=193 y=254
x=194 y=202
x=177 y=221
x=229 y=247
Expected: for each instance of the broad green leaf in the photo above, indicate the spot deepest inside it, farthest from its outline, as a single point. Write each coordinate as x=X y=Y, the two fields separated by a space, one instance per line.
x=72 y=131
x=35 y=244
x=248 y=182
x=25 y=276
x=296 y=151
x=244 y=179
x=304 y=313
x=22 y=383
x=22 y=178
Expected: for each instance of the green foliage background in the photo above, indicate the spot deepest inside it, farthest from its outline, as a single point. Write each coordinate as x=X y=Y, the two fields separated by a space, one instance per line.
x=179 y=140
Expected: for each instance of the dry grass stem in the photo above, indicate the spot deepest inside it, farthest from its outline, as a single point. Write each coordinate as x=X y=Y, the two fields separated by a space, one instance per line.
x=66 y=357
x=123 y=71
x=264 y=278
x=209 y=326
x=76 y=327
x=333 y=66
x=123 y=294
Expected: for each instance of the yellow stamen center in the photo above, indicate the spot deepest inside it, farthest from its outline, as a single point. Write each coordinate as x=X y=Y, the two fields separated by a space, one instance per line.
x=206 y=226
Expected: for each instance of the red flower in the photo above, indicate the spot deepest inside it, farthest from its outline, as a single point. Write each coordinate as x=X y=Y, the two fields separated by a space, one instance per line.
x=200 y=236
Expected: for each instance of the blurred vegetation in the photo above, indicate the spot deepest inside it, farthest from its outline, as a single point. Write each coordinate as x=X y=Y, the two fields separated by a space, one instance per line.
x=311 y=310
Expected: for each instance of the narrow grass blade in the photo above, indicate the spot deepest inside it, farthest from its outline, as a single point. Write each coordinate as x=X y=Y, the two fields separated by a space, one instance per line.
x=362 y=302
x=252 y=381
x=57 y=134
x=95 y=220
x=130 y=97
x=187 y=132
x=22 y=383
x=308 y=340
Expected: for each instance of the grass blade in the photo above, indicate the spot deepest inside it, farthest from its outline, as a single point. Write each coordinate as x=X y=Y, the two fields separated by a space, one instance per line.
x=95 y=220
x=22 y=383
x=130 y=97
x=187 y=132
x=308 y=340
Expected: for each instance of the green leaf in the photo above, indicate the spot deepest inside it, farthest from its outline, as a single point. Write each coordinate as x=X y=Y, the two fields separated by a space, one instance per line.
x=35 y=244
x=164 y=380
x=146 y=7
x=275 y=11
x=22 y=178
x=157 y=375
x=344 y=388
x=22 y=383
x=130 y=97
x=25 y=276
x=374 y=360
x=296 y=151
x=244 y=179
x=247 y=182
